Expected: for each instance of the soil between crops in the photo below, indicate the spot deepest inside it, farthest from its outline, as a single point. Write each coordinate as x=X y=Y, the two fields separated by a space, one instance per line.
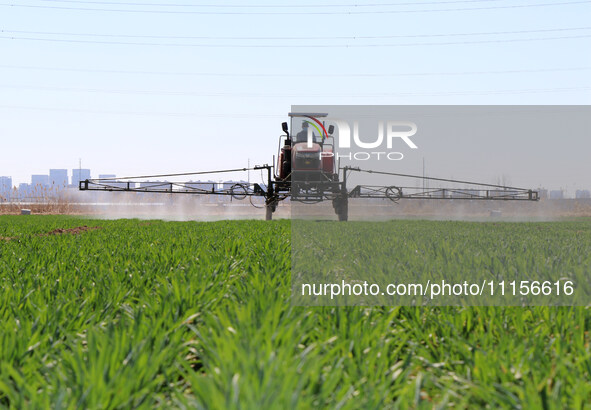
x=60 y=231
x=71 y=231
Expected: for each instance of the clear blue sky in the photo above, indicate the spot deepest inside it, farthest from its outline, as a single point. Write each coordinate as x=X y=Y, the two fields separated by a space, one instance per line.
x=179 y=86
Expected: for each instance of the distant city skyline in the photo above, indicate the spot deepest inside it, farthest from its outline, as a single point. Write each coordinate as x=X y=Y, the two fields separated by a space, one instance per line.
x=56 y=178
x=59 y=177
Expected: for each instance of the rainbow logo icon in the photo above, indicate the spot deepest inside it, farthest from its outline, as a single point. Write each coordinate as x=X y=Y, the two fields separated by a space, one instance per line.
x=316 y=124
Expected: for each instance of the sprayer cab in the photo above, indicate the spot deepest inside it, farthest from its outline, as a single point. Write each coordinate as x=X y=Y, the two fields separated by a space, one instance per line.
x=308 y=152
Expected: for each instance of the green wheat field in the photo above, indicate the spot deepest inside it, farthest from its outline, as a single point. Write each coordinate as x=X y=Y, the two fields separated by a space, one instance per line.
x=199 y=315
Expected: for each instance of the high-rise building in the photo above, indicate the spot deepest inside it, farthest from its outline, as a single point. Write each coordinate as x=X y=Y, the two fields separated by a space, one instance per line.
x=39 y=185
x=5 y=188
x=39 y=181
x=79 y=175
x=58 y=178
x=24 y=191
x=583 y=194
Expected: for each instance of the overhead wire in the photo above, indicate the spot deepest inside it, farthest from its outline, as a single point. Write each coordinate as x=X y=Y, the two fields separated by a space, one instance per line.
x=246 y=38
x=247 y=6
x=292 y=74
x=283 y=95
x=308 y=46
x=333 y=12
x=138 y=113
x=178 y=174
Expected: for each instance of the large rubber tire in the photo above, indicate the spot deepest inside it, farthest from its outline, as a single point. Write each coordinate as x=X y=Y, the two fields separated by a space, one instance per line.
x=342 y=211
x=343 y=214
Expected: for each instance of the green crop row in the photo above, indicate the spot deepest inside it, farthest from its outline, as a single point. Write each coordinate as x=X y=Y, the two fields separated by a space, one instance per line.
x=421 y=252
x=199 y=315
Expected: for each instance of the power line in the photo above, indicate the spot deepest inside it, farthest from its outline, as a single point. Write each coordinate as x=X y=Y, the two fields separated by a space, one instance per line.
x=137 y=113
x=268 y=6
x=181 y=174
x=373 y=45
x=231 y=115
x=486 y=33
x=299 y=74
x=284 y=95
x=349 y=12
